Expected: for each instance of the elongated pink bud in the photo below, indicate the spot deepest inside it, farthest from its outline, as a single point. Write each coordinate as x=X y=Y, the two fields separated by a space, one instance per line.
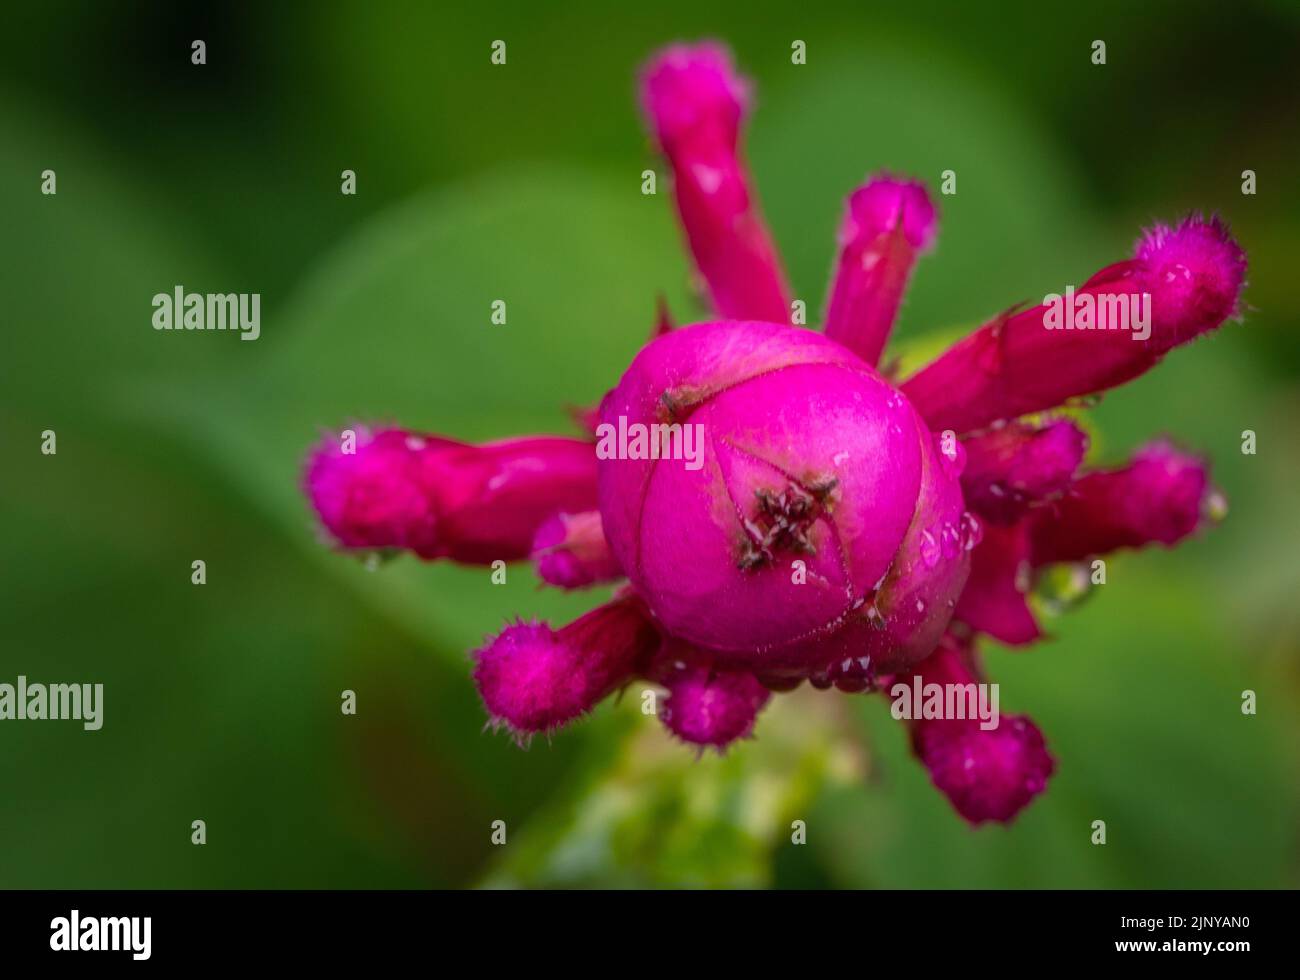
x=394 y=489
x=1012 y=467
x=570 y=551
x=695 y=103
x=986 y=774
x=711 y=707
x=1182 y=283
x=888 y=224
x=993 y=600
x=1161 y=497
x=533 y=678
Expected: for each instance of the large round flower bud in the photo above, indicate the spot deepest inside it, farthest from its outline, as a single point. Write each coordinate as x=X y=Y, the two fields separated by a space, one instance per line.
x=776 y=501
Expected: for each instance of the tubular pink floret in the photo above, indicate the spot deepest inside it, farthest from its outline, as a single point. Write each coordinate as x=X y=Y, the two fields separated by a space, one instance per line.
x=888 y=223
x=446 y=499
x=1161 y=497
x=570 y=551
x=533 y=678
x=987 y=775
x=1013 y=467
x=695 y=103
x=711 y=707
x=1182 y=283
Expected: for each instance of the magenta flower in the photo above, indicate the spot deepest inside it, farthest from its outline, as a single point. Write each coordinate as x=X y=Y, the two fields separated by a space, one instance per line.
x=779 y=509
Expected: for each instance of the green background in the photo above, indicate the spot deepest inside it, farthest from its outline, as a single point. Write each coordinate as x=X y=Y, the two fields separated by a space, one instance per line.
x=522 y=182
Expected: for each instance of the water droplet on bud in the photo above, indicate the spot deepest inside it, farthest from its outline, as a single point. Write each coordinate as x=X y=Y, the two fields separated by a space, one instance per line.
x=950 y=541
x=929 y=549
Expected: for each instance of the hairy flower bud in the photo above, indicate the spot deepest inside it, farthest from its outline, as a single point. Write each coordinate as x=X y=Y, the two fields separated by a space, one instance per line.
x=534 y=678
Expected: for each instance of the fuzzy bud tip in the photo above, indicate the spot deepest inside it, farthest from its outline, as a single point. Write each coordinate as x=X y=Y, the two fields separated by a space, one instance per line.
x=1195 y=273
x=687 y=89
x=885 y=203
x=531 y=679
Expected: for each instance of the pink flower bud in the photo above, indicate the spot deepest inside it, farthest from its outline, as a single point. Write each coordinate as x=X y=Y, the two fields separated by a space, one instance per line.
x=570 y=551
x=986 y=774
x=378 y=496
x=820 y=502
x=534 y=679
x=711 y=707
x=695 y=103
x=1014 y=466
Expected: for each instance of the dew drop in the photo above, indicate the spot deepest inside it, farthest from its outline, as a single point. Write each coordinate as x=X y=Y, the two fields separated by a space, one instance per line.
x=929 y=549
x=1023 y=577
x=875 y=617
x=1215 y=508
x=950 y=541
x=1062 y=587
x=972 y=531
